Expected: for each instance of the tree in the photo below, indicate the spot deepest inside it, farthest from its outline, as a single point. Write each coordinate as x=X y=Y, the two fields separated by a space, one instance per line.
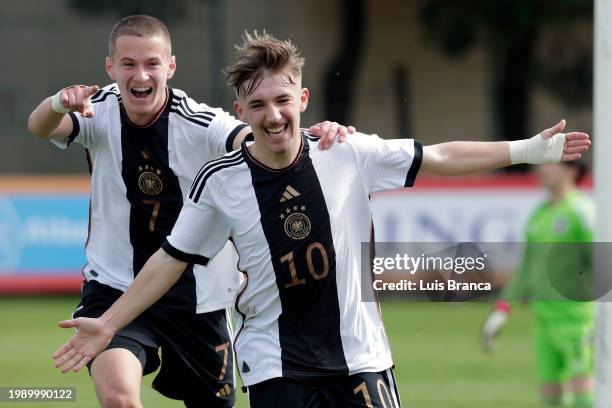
x=526 y=41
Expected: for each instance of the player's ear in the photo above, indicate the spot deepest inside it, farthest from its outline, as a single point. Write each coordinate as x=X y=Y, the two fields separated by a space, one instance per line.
x=304 y=95
x=171 y=67
x=239 y=110
x=109 y=68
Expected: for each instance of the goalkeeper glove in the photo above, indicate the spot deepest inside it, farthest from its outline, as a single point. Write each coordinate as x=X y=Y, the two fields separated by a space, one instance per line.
x=493 y=325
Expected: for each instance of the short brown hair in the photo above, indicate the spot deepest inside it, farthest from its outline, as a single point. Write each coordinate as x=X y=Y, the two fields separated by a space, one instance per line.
x=139 y=26
x=260 y=53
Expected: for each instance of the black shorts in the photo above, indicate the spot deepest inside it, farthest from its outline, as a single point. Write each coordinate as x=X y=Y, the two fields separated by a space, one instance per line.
x=373 y=390
x=196 y=350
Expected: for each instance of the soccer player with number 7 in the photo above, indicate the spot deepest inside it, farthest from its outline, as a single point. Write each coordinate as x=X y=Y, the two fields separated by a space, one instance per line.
x=145 y=143
x=297 y=217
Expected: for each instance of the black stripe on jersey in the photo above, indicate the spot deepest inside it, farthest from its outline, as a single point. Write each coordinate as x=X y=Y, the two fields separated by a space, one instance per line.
x=181 y=108
x=304 y=266
x=154 y=193
x=210 y=173
x=183 y=256
x=229 y=143
x=416 y=164
x=102 y=97
x=206 y=115
x=210 y=169
x=207 y=166
x=76 y=128
x=97 y=94
x=192 y=120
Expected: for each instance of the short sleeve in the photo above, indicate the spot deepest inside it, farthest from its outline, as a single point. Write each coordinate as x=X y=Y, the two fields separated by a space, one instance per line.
x=82 y=132
x=200 y=232
x=387 y=164
x=85 y=130
x=222 y=128
x=223 y=131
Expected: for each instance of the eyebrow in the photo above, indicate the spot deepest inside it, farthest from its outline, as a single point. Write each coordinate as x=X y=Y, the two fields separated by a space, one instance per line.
x=128 y=59
x=254 y=102
x=283 y=95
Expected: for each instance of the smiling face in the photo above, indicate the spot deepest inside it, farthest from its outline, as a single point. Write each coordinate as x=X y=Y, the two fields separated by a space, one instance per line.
x=141 y=67
x=273 y=110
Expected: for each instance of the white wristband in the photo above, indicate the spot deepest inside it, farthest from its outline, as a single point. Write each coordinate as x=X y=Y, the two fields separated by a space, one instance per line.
x=57 y=105
x=537 y=150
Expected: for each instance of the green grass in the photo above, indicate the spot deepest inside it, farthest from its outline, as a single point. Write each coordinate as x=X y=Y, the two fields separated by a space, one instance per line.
x=435 y=347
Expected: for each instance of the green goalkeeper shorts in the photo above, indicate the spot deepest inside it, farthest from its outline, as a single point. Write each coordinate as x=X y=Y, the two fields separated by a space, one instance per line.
x=564 y=353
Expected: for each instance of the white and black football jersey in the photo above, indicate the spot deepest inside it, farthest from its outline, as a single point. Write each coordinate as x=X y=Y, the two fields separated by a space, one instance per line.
x=298 y=232
x=139 y=178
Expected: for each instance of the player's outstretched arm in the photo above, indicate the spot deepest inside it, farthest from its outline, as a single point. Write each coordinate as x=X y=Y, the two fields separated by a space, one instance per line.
x=550 y=146
x=49 y=118
x=93 y=335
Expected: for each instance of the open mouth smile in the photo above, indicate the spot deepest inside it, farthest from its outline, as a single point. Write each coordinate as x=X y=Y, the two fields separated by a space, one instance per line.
x=276 y=130
x=142 y=91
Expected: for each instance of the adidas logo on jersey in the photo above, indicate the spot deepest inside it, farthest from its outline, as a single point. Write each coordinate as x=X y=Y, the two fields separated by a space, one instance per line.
x=289 y=193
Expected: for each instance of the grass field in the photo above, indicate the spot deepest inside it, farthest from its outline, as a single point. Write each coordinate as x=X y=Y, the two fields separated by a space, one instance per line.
x=435 y=348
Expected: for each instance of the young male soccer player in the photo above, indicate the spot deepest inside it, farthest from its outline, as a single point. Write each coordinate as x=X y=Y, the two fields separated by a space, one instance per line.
x=145 y=143
x=297 y=217
x=563 y=331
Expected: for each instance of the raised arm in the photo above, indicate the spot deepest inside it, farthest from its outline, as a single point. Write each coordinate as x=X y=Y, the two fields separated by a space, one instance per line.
x=156 y=277
x=49 y=119
x=550 y=146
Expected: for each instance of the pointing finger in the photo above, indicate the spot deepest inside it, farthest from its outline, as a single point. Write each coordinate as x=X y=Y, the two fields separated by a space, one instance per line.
x=90 y=90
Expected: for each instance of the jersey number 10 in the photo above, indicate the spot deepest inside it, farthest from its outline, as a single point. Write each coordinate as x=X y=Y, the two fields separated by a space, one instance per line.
x=317 y=275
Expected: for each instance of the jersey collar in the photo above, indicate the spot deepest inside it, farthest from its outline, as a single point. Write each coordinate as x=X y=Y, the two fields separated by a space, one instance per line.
x=253 y=162
x=163 y=110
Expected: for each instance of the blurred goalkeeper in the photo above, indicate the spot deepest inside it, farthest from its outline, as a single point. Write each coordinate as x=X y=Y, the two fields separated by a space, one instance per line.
x=563 y=328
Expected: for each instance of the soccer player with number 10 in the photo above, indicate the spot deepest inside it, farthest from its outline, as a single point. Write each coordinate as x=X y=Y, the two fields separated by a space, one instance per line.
x=297 y=217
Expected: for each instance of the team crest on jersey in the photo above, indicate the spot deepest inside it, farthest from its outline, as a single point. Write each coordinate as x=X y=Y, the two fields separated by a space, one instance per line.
x=149 y=181
x=297 y=224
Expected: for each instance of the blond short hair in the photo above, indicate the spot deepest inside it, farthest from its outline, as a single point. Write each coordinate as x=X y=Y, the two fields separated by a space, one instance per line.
x=258 y=54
